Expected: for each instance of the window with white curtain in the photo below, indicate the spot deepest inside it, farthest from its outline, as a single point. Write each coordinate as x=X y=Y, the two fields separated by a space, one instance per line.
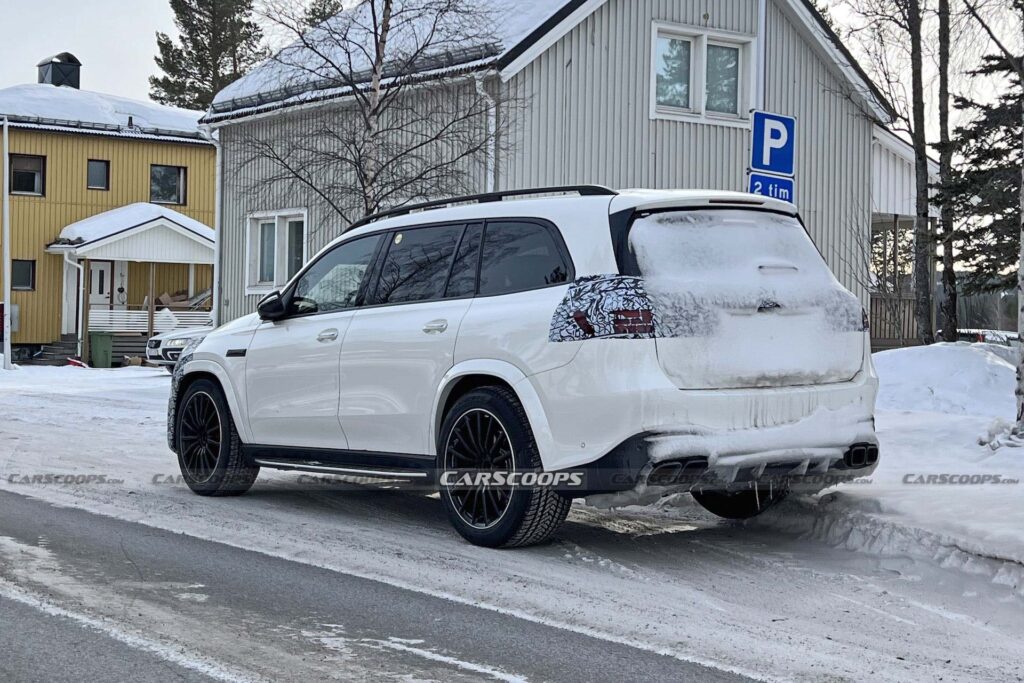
x=276 y=248
x=701 y=76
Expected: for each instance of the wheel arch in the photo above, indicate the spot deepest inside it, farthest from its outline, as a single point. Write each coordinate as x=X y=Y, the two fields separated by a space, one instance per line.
x=204 y=369
x=470 y=375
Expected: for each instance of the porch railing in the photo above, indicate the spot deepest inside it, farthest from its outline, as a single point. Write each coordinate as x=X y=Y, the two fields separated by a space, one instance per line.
x=893 y=324
x=164 y=320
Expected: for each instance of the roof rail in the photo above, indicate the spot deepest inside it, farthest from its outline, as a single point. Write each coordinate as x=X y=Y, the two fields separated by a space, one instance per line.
x=489 y=197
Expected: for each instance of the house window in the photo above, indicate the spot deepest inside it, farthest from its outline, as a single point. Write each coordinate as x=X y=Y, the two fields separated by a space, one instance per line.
x=673 y=66
x=276 y=247
x=296 y=229
x=701 y=76
x=23 y=275
x=166 y=184
x=268 y=252
x=97 y=174
x=723 y=79
x=28 y=174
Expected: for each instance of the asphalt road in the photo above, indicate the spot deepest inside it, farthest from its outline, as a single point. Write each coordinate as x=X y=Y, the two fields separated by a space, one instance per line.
x=87 y=597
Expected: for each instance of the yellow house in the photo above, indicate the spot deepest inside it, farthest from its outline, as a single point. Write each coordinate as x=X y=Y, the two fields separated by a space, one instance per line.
x=110 y=203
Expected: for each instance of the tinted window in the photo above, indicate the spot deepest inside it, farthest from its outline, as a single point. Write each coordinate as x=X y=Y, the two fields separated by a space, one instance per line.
x=167 y=184
x=97 y=174
x=518 y=256
x=463 y=279
x=417 y=264
x=333 y=282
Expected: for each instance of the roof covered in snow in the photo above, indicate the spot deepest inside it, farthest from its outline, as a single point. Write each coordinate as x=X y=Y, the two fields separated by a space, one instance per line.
x=54 y=107
x=307 y=70
x=110 y=223
x=299 y=68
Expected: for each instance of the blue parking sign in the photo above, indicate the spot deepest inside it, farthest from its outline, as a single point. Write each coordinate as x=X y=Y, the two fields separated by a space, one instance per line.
x=774 y=145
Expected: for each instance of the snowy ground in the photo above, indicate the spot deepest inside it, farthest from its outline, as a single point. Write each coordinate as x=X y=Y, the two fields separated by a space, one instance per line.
x=934 y=588
x=938 y=490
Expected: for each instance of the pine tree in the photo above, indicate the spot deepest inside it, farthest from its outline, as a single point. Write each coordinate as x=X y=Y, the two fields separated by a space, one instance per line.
x=320 y=11
x=989 y=183
x=219 y=42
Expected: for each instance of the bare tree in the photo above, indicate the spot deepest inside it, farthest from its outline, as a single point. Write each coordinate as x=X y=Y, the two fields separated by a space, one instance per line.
x=923 y=249
x=891 y=35
x=949 y=291
x=398 y=104
x=1002 y=41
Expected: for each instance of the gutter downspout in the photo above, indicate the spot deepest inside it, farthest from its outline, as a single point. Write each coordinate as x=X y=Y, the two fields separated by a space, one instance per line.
x=492 y=131
x=8 y=306
x=218 y=202
x=81 y=297
x=762 y=52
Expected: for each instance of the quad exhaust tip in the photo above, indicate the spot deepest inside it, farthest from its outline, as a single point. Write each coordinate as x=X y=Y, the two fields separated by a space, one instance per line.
x=861 y=455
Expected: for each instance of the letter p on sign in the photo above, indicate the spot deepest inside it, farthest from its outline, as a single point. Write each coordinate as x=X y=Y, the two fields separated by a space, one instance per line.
x=774 y=144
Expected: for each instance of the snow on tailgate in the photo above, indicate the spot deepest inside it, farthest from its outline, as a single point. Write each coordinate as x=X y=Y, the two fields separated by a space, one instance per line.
x=745 y=300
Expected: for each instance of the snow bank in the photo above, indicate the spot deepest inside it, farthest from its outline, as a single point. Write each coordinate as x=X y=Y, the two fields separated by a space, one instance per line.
x=937 y=493
x=70 y=105
x=957 y=379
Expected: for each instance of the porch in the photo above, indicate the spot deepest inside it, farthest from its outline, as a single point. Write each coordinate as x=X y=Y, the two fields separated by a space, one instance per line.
x=135 y=271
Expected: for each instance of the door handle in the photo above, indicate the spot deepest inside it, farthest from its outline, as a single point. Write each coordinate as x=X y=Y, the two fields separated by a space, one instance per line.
x=327 y=336
x=435 y=326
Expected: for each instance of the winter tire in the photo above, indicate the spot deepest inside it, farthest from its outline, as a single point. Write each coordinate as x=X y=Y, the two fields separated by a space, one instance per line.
x=209 y=450
x=487 y=430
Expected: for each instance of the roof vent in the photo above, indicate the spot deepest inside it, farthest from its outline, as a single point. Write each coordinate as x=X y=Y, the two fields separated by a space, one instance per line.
x=61 y=69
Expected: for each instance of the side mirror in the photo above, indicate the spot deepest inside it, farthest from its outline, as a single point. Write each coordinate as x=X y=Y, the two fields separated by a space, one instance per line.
x=272 y=306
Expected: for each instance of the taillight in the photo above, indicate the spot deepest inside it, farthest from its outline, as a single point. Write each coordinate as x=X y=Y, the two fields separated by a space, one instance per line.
x=633 y=322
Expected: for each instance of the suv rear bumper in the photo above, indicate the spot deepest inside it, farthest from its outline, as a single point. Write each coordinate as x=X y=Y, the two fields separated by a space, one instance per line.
x=612 y=410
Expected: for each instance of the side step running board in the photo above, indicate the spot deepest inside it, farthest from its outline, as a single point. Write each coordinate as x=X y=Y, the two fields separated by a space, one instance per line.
x=337 y=469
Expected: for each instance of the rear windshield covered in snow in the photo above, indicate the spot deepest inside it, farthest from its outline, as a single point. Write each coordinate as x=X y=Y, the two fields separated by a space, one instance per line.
x=696 y=243
x=698 y=263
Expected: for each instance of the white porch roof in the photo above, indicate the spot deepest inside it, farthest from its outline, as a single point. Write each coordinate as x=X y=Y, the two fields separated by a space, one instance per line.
x=138 y=232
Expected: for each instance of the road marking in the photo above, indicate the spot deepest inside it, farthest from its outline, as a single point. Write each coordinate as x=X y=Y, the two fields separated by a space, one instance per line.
x=168 y=653
x=497 y=674
x=578 y=629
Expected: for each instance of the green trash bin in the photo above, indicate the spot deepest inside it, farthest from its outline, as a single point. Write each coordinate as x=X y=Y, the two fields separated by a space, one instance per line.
x=101 y=349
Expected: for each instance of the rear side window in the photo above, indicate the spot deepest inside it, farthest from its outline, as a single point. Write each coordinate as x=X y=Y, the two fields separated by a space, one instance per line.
x=519 y=256
x=417 y=264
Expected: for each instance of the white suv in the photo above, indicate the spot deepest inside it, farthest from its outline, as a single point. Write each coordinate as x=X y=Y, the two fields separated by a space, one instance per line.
x=519 y=350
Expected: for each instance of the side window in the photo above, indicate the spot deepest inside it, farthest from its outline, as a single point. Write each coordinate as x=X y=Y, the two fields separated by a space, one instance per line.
x=463 y=279
x=332 y=283
x=417 y=264
x=520 y=255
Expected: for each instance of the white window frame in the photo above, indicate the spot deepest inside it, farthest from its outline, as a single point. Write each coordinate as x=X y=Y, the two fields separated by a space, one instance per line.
x=699 y=40
x=281 y=219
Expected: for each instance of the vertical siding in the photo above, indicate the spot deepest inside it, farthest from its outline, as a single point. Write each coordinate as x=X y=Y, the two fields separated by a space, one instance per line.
x=587 y=120
x=37 y=221
x=169 y=278
x=587 y=114
x=253 y=184
x=834 y=139
x=583 y=116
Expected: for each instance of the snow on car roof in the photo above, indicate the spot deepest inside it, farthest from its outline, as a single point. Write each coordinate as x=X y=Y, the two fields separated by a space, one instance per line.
x=297 y=65
x=46 y=104
x=118 y=220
